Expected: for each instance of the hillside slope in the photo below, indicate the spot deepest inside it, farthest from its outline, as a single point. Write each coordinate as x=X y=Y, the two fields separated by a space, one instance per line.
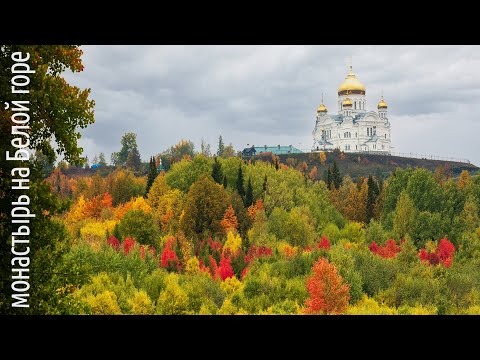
x=356 y=165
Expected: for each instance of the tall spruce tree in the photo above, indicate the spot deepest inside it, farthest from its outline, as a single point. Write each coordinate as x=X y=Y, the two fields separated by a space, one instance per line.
x=336 y=177
x=264 y=186
x=221 y=146
x=225 y=181
x=240 y=185
x=152 y=174
x=372 y=195
x=249 y=194
x=329 y=178
x=217 y=173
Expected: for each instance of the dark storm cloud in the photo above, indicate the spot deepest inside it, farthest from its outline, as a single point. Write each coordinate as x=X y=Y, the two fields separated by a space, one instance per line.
x=268 y=94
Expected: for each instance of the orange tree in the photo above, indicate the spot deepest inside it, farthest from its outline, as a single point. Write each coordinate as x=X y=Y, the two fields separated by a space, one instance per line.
x=328 y=292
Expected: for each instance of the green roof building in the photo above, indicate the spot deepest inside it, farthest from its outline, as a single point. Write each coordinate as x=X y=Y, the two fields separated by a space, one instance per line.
x=277 y=150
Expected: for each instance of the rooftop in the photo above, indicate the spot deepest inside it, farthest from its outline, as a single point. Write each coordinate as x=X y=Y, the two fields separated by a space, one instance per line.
x=279 y=149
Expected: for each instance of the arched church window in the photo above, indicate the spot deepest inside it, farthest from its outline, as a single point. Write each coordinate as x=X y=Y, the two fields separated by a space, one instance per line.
x=355 y=105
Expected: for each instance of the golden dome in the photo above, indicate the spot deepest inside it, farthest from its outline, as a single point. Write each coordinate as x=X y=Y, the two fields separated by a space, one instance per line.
x=347 y=102
x=351 y=85
x=322 y=109
x=382 y=104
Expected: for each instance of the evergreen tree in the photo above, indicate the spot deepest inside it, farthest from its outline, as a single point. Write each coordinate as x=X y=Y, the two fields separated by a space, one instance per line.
x=276 y=164
x=116 y=232
x=249 y=194
x=217 y=173
x=336 y=177
x=329 y=178
x=224 y=181
x=372 y=195
x=240 y=186
x=265 y=183
x=221 y=146
x=380 y=184
x=152 y=174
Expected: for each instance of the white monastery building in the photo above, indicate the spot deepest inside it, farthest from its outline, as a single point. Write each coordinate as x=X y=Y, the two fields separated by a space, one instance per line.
x=354 y=129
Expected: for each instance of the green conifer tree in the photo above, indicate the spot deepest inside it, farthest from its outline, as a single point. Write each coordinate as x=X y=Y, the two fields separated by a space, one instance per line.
x=249 y=194
x=217 y=173
x=240 y=185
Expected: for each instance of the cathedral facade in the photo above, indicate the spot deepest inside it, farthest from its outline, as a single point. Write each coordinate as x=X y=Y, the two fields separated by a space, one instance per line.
x=353 y=129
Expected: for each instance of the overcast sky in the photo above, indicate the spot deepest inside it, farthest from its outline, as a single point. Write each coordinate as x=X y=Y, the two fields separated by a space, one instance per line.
x=268 y=95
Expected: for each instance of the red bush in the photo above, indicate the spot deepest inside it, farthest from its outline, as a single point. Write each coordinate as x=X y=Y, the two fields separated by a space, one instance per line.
x=221 y=271
x=169 y=259
x=443 y=254
x=324 y=243
x=113 y=242
x=128 y=245
x=389 y=250
x=213 y=267
x=225 y=269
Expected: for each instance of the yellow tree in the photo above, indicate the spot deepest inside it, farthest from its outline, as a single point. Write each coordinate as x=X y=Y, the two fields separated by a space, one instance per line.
x=323 y=158
x=104 y=303
x=173 y=300
x=233 y=243
x=141 y=304
x=78 y=211
x=464 y=180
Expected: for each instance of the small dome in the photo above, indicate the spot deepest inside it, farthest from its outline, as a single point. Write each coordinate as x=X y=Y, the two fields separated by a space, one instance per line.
x=347 y=102
x=322 y=109
x=382 y=104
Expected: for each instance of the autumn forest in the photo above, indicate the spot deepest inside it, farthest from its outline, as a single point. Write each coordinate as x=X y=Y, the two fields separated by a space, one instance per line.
x=218 y=234
x=205 y=231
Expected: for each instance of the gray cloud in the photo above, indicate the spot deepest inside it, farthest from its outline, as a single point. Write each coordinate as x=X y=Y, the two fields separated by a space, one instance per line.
x=268 y=94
